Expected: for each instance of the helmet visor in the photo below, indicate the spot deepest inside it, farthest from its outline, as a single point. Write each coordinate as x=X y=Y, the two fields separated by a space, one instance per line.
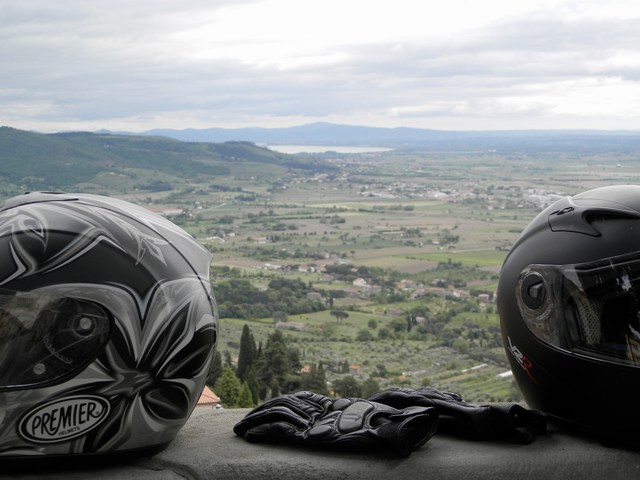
x=45 y=337
x=591 y=309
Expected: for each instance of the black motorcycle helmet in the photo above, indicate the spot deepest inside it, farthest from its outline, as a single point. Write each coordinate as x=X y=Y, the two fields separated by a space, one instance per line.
x=569 y=305
x=107 y=326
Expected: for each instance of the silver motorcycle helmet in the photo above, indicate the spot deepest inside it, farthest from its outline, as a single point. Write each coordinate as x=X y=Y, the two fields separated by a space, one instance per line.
x=108 y=326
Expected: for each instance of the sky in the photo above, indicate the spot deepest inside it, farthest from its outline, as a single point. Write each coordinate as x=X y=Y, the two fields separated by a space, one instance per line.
x=135 y=65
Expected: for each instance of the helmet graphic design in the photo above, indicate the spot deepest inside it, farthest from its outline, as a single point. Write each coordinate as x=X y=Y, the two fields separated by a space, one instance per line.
x=569 y=305
x=108 y=326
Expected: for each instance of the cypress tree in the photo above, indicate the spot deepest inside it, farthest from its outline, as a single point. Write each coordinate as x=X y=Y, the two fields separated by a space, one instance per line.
x=273 y=365
x=254 y=387
x=216 y=369
x=248 y=353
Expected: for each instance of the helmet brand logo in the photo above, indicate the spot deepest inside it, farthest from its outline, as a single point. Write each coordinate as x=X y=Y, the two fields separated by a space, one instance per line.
x=524 y=362
x=63 y=419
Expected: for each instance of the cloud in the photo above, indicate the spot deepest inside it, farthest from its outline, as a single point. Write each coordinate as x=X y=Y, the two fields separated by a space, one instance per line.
x=196 y=63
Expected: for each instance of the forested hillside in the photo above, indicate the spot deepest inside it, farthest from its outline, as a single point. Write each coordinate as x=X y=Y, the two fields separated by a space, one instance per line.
x=36 y=161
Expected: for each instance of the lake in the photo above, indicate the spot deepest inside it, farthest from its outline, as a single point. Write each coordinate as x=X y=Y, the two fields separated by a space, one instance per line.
x=292 y=149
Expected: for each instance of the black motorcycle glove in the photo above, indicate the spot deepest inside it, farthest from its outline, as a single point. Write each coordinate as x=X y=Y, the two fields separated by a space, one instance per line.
x=480 y=422
x=312 y=419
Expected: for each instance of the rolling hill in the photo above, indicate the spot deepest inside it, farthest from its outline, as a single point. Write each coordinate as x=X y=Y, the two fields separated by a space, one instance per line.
x=37 y=161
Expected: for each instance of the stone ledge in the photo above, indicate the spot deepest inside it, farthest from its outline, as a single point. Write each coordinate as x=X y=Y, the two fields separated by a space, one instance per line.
x=206 y=448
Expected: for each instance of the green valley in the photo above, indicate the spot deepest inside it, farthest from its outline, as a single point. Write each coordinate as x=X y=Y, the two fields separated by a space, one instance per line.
x=379 y=266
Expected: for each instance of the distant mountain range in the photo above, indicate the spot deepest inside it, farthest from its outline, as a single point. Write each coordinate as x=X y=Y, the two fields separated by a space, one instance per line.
x=578 y=141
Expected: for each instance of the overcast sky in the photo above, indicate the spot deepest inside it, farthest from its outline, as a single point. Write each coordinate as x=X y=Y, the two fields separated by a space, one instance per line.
x=447 y=64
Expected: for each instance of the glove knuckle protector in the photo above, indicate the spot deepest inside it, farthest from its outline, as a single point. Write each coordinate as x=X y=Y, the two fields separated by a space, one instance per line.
x=347 y=422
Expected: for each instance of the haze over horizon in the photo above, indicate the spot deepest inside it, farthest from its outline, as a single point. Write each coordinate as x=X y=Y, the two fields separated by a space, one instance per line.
x=470 y=66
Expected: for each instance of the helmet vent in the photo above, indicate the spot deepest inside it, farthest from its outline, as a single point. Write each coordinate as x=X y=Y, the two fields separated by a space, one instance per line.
x=580 y=219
